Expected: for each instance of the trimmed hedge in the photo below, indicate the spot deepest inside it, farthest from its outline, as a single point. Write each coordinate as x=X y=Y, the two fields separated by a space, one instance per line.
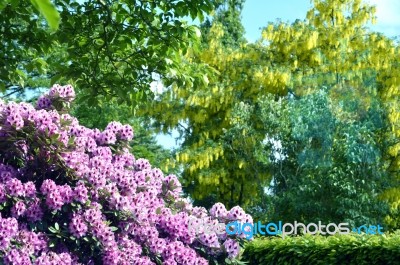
x=338 y=249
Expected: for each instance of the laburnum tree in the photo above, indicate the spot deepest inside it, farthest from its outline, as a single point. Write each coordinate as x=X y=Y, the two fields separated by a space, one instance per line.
x=330 y=46
x=218 y=157
x=219 y=119
x=228 y=14
x=389 y=93
x=333 y=49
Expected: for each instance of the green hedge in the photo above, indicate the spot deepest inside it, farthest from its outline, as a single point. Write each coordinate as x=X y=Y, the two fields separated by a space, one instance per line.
x=338 y=249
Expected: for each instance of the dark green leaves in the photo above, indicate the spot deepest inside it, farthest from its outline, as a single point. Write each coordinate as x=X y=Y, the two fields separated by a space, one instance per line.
x=3 y=4
x=329 y=164
x=106 y=50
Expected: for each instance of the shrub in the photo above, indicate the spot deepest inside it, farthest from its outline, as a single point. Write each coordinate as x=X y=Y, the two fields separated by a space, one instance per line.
x=338 y=249
x=74 y=195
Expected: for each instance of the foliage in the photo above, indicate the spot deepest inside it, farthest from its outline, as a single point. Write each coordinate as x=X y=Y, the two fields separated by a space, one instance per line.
x=45 y=7
x=330 y=46
x=389 y=94
x=217 y=155
x=238 y=106
x=327 y=162
x=334 y=48
x=102 y=45
x=48 y=10
x=74 y=195
x=228 y=13
x=220 y=119
x=27 y=48
x=317 y=249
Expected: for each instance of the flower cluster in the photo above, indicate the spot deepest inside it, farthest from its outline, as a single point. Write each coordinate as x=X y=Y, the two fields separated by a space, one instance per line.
x=74 y=195
x=57 y=92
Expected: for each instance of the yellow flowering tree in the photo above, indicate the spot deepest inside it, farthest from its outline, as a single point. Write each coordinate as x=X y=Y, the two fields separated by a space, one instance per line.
x=333 y=48
x=217 y=114
x=219 y=153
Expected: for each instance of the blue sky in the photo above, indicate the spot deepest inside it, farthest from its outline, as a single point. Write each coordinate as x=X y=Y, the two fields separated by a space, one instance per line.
x=257 y=13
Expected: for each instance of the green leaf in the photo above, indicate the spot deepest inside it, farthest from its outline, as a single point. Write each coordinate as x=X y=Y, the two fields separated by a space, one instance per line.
x=52 y=244
x=3 y=4
x=21 y=73
x=99 y=42
x=49 y=11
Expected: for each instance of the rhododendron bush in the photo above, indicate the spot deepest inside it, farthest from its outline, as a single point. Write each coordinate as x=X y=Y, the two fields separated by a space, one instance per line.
x=74 y=195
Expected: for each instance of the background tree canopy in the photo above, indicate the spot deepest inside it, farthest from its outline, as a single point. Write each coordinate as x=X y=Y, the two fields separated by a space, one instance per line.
x=107 y=48
x=300 y=113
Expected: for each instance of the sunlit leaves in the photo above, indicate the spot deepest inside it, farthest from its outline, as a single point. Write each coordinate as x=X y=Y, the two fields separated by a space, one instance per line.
x=109 y=49
x=335 y=134
x=218 y=152
x=48 y=10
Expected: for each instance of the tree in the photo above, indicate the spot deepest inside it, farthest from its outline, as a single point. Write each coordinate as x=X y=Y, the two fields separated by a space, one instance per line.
x=27 y=47
x=389 y=93
x=217 y=153
x=228 y=14
x=221 y=123
x=329 y=166
x=45 y=7
x=333 y=48
x=25 y=50
x=109 y=48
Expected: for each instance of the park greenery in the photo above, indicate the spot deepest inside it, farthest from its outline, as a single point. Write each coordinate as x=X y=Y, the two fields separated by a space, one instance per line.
x=301 y=125
x=335 y=250
x=74 y=195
